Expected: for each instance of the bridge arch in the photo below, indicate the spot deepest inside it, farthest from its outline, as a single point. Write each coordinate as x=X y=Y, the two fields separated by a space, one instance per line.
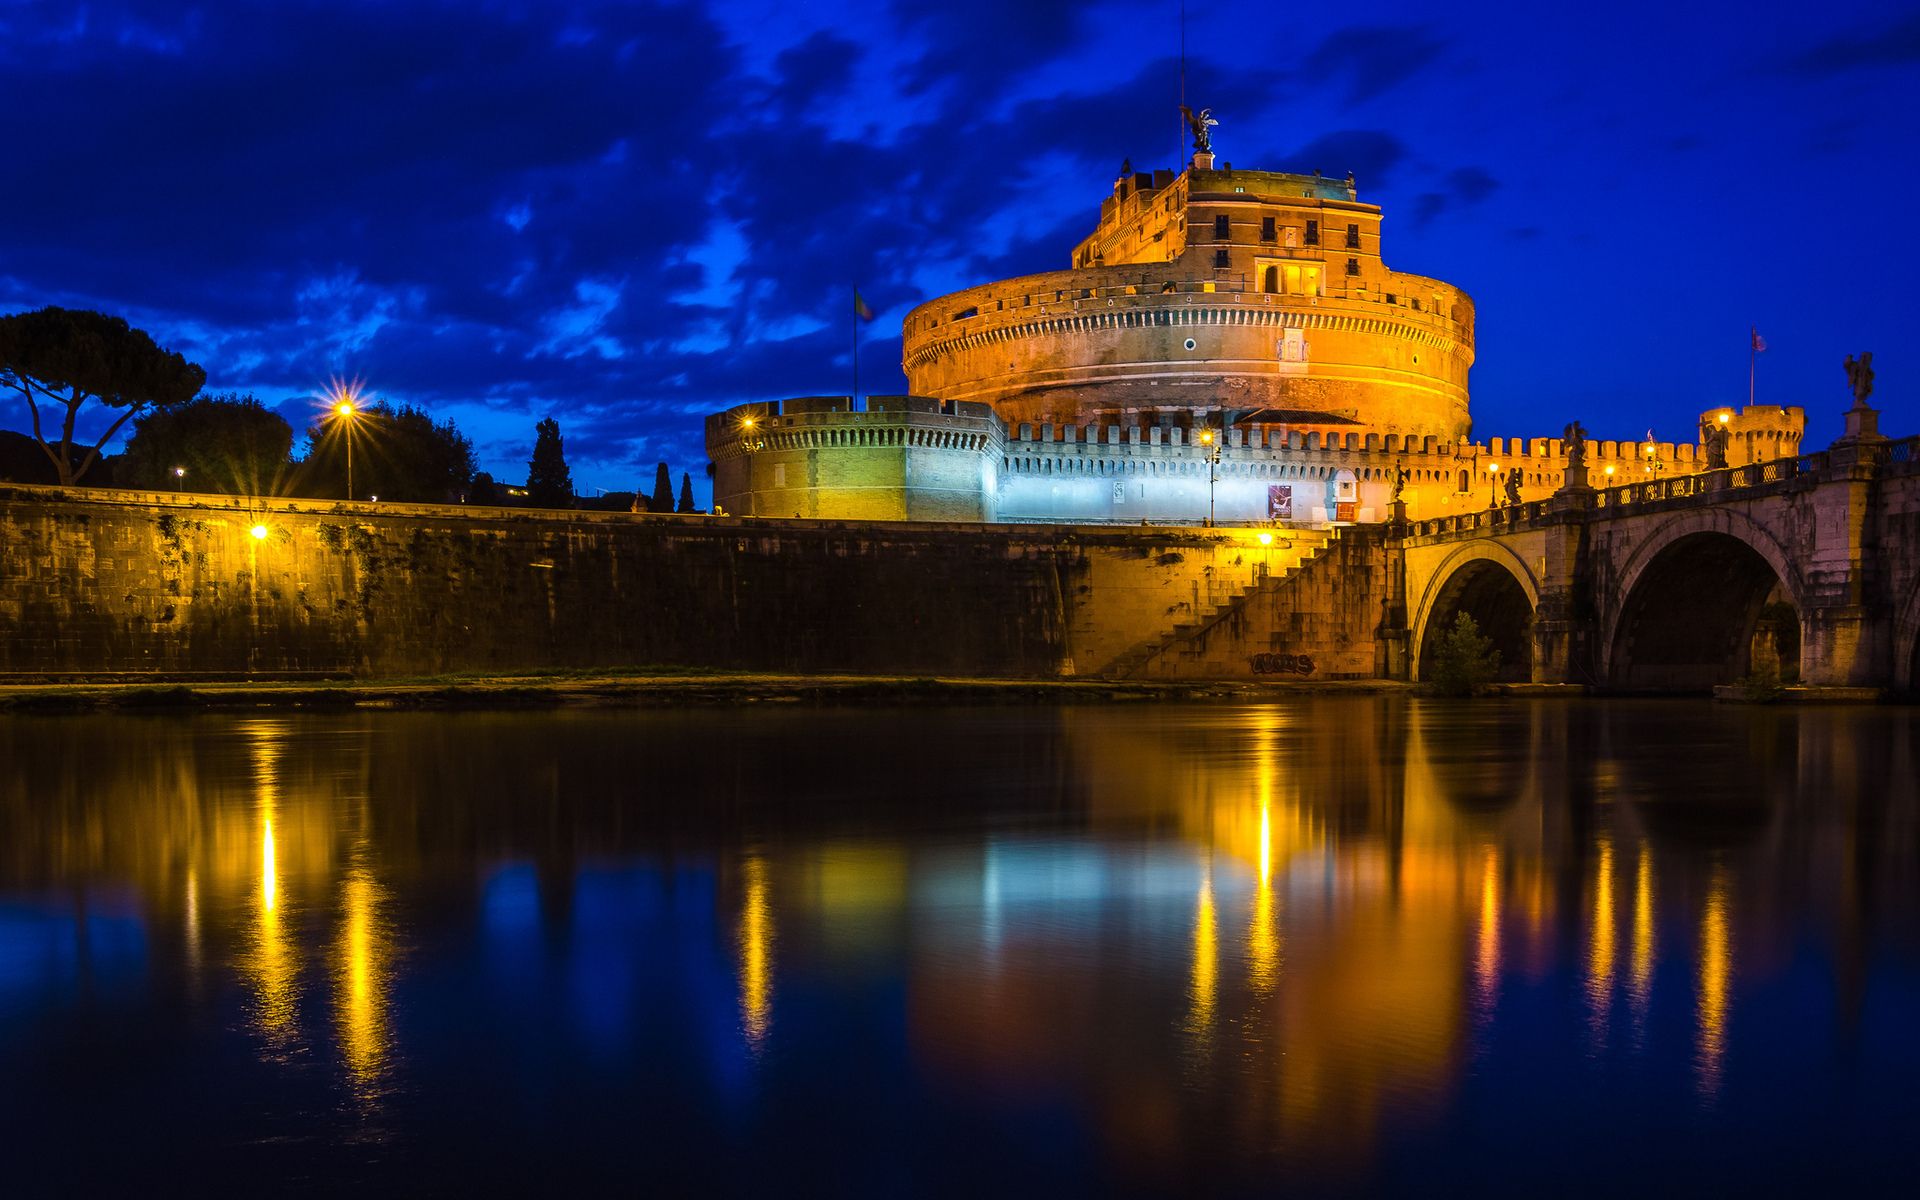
x=1492 y=584
x=1690 y=599
x=1906 y=644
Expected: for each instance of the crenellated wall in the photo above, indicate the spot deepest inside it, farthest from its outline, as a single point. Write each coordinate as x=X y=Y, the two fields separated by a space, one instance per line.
x=913 y=458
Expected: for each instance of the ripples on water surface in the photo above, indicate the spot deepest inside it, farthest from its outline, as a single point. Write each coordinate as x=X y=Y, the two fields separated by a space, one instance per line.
x=1335 y=944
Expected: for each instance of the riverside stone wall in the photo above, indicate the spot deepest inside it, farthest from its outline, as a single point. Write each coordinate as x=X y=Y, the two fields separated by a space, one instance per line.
x=103 y=580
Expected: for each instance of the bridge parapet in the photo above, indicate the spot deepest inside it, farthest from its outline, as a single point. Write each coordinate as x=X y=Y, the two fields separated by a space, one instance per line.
x=1629 y=497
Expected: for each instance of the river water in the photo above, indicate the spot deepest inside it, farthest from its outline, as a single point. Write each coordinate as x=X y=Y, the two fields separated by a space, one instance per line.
x=1327 y=945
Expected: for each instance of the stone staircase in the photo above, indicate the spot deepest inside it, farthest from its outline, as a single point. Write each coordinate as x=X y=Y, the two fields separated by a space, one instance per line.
x=1291 y=551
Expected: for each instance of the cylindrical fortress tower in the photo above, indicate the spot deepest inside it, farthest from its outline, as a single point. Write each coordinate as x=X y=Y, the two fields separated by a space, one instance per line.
x=1255 y=292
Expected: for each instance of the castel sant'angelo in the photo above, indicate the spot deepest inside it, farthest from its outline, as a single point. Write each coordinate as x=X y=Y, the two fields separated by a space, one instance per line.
x=1227 y=345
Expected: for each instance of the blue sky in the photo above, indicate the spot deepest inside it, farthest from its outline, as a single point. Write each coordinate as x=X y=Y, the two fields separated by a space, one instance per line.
x=627 y=215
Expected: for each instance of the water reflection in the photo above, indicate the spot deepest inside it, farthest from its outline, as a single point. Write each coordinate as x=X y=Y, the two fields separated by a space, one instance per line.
x=1716 y=968
x=361 y=962
x=756 y=952
x=1283 y=938
x=272 y=965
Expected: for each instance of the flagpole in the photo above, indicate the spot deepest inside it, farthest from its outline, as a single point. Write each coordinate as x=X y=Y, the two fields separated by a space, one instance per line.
x=1753 y=356
x=853 y=401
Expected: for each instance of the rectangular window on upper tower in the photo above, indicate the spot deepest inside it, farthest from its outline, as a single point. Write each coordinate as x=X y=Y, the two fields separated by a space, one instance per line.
x=1220 y=259
x=1268 y=232
x=1353 y=266
x=1313 y=233
x=1220 y=229
x=1353 y=237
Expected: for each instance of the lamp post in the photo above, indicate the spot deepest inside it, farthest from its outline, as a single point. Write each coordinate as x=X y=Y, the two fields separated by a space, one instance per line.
x=1213 y=460
x=345 y=412
x=1266 y=554
x=179 y=475
x=1493 y=485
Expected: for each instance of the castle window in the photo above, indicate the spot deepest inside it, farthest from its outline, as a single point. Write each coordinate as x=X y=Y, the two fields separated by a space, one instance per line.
x=1391 y=299
x=1313 y=233
x=1220 y=259
x=1271 y=281
x=1353 y=237
x=1353 y=268
x=1220 y=228
x=1268 y=232
x=1416 y=299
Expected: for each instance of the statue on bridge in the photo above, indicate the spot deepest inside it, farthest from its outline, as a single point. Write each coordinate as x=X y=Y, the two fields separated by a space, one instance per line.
x=1400 y=477
x=1513 y=487
x=1860 y=377
x=1575 y=439
x=1714 y=437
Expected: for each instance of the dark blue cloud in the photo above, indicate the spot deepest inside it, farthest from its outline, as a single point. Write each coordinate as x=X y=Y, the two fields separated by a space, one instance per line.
x=1896 y=44
x=1375 y=59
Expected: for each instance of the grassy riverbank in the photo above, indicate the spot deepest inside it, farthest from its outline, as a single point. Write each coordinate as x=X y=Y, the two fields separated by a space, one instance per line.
x=638 y=688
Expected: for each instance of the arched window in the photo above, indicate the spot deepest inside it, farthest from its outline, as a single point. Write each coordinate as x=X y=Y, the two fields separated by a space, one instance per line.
x=1463 y=481
x=1271 y=282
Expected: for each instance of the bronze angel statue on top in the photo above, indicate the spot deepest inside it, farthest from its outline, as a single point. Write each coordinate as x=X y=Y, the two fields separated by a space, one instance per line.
x=1202 y=124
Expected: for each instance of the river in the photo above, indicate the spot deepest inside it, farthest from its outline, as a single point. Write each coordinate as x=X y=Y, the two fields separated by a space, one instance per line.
x=1328 y=945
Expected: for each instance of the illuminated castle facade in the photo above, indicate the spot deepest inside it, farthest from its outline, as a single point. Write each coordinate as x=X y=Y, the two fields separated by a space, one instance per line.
x=1252 y=294
x=1227 y=346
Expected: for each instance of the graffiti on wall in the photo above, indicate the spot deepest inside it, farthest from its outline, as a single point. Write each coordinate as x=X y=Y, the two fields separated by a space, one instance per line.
x=1281 y=664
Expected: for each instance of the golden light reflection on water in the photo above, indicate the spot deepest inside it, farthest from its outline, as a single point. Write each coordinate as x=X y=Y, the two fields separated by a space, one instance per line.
x=1600 y=945
x=1204 y=981
x=1643 y=938
x=1486 y=953
x=362 y=969
x=272 y=964
x=756 y=953
x=1716 y=970
x=1263 y=931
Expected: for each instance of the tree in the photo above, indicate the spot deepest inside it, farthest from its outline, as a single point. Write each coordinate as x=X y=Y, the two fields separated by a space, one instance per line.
x=71 y=356
x=662 y=501
x=483 y=490
x=229 y=444
x=549 y=483
x=1463 y=661
x=686 y=494
x=398 y=454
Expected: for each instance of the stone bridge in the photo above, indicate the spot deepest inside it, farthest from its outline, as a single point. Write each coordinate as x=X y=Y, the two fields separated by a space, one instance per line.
x=1680 y=583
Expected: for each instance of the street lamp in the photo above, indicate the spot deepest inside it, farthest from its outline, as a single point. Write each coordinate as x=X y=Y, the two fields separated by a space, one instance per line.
x=1266 y=553
x=1213 y=461
x=345 y=412
x=1493 y=485
x=179 y=474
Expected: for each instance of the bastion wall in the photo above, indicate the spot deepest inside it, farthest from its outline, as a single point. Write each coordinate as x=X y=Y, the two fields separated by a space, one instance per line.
x=105 y=580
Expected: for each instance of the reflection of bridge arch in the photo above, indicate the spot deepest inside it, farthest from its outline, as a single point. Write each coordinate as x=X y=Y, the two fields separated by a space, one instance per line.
x=1491 y=583
x=1683 y=612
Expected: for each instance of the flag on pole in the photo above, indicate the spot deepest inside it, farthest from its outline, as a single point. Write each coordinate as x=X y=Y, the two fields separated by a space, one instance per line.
x=1759 y=343
x=860 y=308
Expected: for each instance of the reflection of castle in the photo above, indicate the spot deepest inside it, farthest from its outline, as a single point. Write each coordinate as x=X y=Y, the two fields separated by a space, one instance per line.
x=1225 y=340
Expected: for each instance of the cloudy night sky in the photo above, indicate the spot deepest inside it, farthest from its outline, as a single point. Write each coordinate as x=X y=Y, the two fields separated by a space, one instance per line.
x=627 y=215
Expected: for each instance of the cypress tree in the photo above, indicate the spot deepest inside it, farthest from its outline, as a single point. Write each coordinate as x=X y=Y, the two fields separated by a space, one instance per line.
x=662 y=491
x=549 y=483
x=686 y=493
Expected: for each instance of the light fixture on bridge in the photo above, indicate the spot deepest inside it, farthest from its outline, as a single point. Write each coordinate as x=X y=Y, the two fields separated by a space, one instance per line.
x=259 y=533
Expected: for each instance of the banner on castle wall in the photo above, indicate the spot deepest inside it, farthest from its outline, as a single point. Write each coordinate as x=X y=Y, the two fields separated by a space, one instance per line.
x=1280 y=502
